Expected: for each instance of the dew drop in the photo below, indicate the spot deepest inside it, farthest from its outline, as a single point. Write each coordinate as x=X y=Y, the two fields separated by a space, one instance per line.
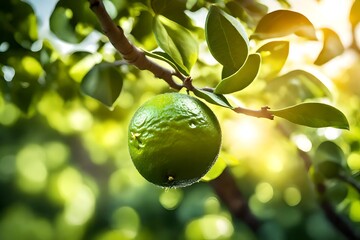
x=192 y=125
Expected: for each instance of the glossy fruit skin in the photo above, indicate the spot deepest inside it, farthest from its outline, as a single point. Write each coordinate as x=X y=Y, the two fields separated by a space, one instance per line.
x=174 y=139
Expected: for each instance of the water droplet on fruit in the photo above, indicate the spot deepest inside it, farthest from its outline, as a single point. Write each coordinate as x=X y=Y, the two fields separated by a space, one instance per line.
x=192 y=125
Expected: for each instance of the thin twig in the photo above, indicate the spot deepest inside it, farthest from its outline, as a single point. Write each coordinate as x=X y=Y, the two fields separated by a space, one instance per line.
x=354 y=44
x=336 y=220
x=351 y=181
x=263 y=113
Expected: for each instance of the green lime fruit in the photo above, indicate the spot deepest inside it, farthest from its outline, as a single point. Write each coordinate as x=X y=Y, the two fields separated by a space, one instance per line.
x=174 y=139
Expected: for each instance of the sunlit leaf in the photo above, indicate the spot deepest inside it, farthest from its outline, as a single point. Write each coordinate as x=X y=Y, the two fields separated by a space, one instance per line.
x=315 y=115
x=354 y=16
x=215 y=170
x=301 y=85
x=213 y=98
x=176 y=41
x=281 y=23
x=242 y=78
x=332 y=47
x=329 y=159
x=273 y=57
x=104 y=83
x=226 y=38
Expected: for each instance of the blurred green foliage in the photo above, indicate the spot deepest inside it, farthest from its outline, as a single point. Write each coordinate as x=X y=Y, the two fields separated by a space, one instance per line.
x=65 y=171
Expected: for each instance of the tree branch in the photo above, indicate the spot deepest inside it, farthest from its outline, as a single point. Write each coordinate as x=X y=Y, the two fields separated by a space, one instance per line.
x=229 y=193
x=130 y=53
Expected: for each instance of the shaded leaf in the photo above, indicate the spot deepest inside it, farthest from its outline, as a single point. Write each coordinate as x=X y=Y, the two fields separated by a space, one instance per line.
x=226 y=38
x=315 y=115
x=104 y=83
x=18 y=27
x=332 y=47
x=273 y=57
x=354 y=16
x=166 y=58
x=329 y=159
x=281 y=23
x=213 y=98
x=242 y=78
x=72 y=21
x=173 y=10
x=60 y=25
x=176 y=41
x=142 y=30
x=249 y=12
x=300 y=84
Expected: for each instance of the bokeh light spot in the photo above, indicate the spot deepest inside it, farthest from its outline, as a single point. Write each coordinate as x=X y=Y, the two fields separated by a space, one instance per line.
x=354 y=211
x=30 y=164
x=264 y=192
x=68 y=183
x=32 y=66
x=275 y=164
x=353 y=161
x=127 y=221
x=81 y=206
x=302 y=142
x=209 y=227
x=170 y=198
x=80 y=119
x=292 y=196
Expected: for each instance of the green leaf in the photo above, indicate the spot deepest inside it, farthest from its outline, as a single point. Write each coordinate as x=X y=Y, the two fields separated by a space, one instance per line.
x=213 y=98
x=226 y=38
x=176 y=41
x=281 y=23
x=249 y=12
x=242 y=78
x=104 y=83
x=332 y=47
x=61 y=26
x=300 y=84
x=173 y=10
x=166 y=58
x=329 y=160
x=315 y=115
x=72 y=21
x=18 y=27
x=273 y=57
x=215 y=170
x=354 y=16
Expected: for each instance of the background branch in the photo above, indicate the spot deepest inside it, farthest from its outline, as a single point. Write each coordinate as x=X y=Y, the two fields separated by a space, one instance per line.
x=226 y=188
x=338 y=221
